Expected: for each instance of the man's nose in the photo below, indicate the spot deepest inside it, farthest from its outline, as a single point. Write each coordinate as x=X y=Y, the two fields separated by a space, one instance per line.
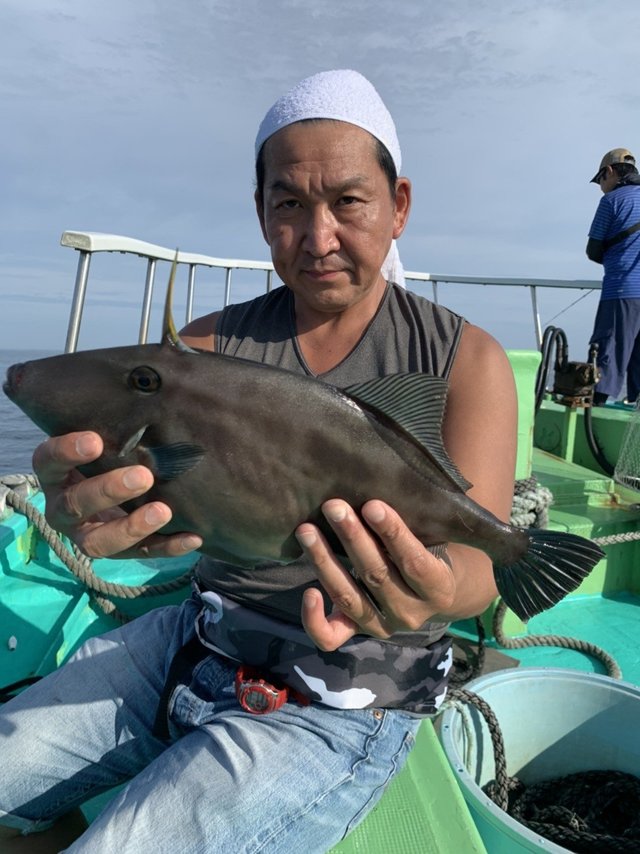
x=321 y=235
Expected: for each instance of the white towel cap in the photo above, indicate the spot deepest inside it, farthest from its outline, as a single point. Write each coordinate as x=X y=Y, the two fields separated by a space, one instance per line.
x=343 y=95
x=346 y=96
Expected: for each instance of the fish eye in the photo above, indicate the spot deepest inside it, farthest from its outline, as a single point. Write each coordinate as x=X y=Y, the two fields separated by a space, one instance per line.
x=144 y=379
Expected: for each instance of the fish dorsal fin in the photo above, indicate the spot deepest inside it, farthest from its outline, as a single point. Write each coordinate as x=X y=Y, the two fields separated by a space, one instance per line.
x=169 y=331
x=415 y=402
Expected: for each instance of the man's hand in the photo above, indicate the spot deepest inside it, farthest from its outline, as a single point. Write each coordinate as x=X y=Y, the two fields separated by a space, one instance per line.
x=87 y=511
x=407 y=584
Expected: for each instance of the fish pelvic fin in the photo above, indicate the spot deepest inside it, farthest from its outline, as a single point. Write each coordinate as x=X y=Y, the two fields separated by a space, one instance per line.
x=554 y=565
x=132 y=442
x=416 y=403
x=169 y=331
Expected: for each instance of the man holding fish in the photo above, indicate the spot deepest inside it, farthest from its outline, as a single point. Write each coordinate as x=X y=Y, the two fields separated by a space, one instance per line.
x=269 y=711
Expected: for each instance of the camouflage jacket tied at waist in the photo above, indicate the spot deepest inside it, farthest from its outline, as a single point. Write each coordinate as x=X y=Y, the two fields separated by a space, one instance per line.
x=363 y=673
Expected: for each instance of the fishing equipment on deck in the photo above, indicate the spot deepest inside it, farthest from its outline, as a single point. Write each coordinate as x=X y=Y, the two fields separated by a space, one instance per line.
x=573 y=382
x=559 y=776
x=573 y=385
x=627 y=469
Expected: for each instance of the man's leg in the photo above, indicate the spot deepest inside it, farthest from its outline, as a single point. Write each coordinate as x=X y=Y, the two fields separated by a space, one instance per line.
x=614 y=349
x=295 y=780
x=86 y=727
x=633 y=368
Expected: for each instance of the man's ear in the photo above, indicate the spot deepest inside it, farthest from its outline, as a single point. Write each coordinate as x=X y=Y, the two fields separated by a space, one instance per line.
x=260 y=211
x=403 y=206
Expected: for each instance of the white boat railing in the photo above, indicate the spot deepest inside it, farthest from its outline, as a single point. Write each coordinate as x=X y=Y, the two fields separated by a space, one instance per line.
x=86 y=243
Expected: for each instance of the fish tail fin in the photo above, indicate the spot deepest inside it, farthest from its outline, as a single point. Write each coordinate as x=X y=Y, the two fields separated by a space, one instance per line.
x=554 y=564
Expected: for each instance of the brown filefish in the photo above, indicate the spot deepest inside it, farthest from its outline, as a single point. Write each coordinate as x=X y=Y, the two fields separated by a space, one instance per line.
x=244 y=452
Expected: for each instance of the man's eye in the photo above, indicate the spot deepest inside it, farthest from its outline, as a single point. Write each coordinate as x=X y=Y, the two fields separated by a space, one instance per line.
x=288 y=204
x=348 y=200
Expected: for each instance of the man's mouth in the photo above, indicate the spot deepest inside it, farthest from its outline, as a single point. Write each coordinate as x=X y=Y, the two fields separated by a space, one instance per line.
x=322 y=273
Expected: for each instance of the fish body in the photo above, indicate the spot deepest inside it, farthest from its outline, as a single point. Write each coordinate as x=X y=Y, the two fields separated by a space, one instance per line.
x=244 y=452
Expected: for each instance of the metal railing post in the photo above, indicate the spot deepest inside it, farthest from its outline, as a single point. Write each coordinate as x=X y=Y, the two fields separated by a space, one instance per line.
x=190 y=292
x=80 y=289
x=227 y=287
x=146 y=303
x=536 y=315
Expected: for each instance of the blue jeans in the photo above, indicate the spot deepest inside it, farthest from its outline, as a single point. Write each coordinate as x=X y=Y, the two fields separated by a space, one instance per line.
x=298 y=779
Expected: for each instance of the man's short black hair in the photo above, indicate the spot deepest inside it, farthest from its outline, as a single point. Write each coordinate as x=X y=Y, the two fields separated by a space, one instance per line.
x=622 y=169
x=384 y=159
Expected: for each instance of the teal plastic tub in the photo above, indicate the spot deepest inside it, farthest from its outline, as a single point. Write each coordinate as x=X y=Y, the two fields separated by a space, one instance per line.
x=554 y=722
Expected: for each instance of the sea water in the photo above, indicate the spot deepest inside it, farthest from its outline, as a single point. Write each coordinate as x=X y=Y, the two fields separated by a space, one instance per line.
x=19 y=436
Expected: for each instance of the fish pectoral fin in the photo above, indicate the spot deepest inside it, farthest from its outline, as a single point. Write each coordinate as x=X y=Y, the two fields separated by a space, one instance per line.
x=415 y=402
x=169 y=461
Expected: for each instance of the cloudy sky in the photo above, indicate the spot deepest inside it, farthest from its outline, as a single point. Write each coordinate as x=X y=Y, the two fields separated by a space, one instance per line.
x=138 y=118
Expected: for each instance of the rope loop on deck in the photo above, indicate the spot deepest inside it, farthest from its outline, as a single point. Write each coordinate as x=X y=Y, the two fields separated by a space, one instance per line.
x=79 y=564
x=610 y=664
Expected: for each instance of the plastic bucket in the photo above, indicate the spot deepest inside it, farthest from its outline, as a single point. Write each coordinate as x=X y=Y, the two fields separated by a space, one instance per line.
x=554 y=722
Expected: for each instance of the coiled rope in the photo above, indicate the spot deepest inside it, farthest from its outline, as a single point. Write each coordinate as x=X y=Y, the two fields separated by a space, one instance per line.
x=530 y=505
x=590 y=812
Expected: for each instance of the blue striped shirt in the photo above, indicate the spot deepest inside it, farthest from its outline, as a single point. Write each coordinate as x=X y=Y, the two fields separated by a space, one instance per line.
x=618 y=210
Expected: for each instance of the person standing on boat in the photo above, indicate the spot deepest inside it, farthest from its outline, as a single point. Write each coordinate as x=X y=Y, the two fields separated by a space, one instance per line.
x=165 y=704
x=614 y=242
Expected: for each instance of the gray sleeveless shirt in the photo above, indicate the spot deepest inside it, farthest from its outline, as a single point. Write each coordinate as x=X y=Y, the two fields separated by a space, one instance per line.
x=408 y=334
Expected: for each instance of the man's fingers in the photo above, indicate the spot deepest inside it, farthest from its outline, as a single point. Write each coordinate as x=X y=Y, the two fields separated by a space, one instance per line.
x=328 y=633
x=348 y=598
x=88 y=498
x=88 y=509
x=408 y=583
x=427 y=579
x=166 y=545
x=134 y=535
x=103 y=539
x=56 y=457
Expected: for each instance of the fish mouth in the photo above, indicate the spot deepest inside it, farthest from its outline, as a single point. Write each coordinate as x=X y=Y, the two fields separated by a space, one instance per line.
x=12 y=382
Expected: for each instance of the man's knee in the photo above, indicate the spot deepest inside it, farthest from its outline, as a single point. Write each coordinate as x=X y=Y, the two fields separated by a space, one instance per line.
x=60 y=835
x=8 y=832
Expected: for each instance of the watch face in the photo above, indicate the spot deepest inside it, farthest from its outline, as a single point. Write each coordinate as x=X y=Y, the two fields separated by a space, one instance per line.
x=257 y=699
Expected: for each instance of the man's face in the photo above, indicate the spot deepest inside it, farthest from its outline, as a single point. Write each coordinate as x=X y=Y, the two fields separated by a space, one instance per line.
x=608 y=179
x=327 y=212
